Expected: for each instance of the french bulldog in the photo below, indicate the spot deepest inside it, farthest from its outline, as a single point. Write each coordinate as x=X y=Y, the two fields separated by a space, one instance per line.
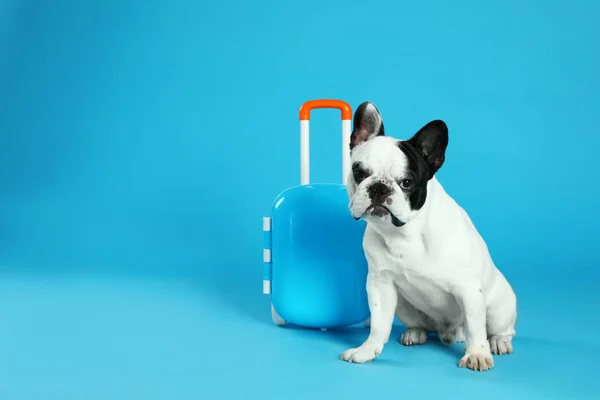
x=427 y=263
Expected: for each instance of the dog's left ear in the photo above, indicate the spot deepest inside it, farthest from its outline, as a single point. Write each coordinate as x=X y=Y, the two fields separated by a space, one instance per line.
x=367 y=124
x=432 y=140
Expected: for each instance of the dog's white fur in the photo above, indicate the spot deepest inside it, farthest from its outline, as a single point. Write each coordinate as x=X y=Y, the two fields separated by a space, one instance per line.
x=434 y=273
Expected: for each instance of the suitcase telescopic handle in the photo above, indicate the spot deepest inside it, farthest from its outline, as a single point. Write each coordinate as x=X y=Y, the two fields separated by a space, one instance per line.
x=305 y=110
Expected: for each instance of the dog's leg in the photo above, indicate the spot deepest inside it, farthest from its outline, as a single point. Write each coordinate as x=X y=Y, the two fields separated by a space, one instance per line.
x=415 y=322
x=477 y=356
x=382 y=296
x=501 y=319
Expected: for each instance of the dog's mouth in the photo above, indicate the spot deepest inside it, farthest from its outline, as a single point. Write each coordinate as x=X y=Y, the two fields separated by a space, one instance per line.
x=379 y=210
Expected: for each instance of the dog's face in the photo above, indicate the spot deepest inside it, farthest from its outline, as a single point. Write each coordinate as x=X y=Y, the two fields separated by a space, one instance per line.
x=388 y=181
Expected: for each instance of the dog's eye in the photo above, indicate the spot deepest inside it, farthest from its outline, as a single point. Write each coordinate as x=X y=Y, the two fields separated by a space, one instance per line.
x=359 y=175
x=406 y=184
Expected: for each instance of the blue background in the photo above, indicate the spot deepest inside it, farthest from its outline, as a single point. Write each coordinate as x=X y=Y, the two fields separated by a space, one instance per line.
x=141 y=142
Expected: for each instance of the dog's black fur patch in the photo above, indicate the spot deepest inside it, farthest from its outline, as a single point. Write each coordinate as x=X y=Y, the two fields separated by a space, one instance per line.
x=360 y=172
x=432 y=141
x=425 y=153
x=418 y=172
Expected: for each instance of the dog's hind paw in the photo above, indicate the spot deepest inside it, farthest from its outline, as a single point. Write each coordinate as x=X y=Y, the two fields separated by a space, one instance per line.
x=501 y=344
x=414 y=336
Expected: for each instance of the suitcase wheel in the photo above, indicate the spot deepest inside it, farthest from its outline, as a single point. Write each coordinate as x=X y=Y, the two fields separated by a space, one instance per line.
x=277 y=320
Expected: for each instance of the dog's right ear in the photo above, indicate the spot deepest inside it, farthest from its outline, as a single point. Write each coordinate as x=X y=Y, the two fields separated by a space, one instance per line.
x=367 y=124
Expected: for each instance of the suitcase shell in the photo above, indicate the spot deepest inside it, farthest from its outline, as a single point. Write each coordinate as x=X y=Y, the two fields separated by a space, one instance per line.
x=315 y=268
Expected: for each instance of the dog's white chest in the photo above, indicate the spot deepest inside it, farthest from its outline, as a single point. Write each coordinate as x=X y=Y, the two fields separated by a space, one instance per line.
x=422 y=285
x=420 y=278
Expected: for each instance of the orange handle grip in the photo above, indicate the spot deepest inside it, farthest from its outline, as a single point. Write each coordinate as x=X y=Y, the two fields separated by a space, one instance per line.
x=340 y=105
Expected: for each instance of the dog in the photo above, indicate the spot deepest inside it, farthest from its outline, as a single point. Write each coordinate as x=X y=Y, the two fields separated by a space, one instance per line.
x=427 y=263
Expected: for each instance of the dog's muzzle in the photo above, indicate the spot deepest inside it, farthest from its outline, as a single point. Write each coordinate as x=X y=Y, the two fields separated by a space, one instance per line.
x=380 y=210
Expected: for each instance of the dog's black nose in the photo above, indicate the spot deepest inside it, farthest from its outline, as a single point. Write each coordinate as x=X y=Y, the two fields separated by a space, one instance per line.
x=378 y=192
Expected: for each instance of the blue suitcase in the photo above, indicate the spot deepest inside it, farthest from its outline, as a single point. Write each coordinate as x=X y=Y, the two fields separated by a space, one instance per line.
x=314 y=265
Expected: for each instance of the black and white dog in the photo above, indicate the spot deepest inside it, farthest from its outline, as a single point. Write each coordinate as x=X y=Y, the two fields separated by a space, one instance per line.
x=427 y=262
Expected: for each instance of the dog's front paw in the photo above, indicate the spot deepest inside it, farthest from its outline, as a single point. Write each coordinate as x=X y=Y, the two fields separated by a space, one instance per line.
x=413 y=336
x=365 y=353
x=477 y=361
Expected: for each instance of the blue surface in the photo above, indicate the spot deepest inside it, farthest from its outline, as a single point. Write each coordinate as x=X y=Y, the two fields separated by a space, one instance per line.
x=319 y=270
x=141 y=143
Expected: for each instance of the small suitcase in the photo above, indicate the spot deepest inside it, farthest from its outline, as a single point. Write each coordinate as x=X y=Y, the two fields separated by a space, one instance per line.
x=314 y=266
